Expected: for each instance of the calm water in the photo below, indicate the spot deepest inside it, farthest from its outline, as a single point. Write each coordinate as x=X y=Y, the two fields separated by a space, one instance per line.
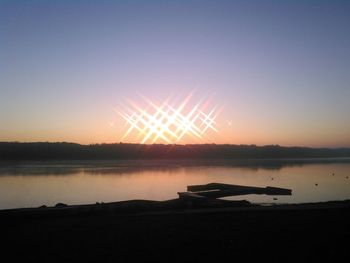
x=34 y=184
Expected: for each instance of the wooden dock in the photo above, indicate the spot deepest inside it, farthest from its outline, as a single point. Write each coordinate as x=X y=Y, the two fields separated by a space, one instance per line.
x=218 y=190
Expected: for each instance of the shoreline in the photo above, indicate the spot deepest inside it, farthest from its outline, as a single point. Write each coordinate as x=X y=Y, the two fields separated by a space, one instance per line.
x=140 y=206
x=277 y=233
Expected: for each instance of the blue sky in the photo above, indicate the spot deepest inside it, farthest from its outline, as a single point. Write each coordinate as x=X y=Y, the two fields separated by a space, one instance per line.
x=280 y=68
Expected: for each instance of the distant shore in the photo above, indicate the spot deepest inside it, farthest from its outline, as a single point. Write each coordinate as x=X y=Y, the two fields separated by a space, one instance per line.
x=118 y=151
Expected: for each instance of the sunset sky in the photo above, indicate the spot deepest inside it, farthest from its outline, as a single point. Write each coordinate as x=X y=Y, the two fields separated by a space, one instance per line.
x=280 y=70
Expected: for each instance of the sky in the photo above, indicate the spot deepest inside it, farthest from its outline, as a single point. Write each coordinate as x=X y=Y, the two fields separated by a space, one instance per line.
x=278 y=70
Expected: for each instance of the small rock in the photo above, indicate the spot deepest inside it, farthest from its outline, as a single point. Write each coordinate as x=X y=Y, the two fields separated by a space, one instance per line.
x=43 y=206
x=275 y=198
x=61 y=205
x=316 y=184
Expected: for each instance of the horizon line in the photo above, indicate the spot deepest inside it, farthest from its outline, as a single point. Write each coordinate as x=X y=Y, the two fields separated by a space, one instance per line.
x=179 y=144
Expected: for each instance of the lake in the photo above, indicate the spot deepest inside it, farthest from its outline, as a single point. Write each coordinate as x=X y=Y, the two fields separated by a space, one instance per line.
x=32 y=184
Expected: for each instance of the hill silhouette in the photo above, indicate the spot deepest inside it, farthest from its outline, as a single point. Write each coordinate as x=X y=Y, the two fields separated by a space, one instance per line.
x=74 y=151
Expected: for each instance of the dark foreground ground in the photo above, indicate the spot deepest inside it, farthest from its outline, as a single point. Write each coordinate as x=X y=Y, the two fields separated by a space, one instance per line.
x=298 y=233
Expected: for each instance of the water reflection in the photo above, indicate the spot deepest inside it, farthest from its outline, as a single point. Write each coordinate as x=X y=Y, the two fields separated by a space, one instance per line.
x=131 y=166
x=35 y=184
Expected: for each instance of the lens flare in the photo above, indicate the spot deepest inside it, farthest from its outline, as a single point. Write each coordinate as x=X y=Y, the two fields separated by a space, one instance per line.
x=168 y=123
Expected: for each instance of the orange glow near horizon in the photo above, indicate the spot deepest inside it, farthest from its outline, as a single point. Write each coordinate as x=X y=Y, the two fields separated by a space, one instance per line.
x=168 y=122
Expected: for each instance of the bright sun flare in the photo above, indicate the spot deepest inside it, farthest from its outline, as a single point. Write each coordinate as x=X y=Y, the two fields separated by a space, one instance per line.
x=168 y=123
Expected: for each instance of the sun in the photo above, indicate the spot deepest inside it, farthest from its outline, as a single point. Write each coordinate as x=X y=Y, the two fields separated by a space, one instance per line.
x=168 y=122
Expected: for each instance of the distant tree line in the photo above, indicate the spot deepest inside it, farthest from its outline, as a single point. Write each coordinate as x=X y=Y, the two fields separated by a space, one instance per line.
x=73 y=151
